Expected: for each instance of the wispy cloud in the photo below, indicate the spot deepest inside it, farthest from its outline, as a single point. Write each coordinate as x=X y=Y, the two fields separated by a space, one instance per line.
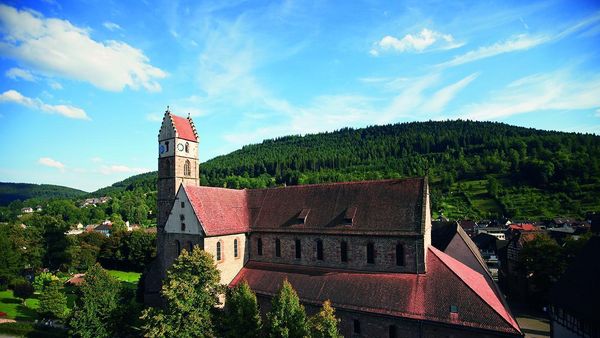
x=426 y=39
x=18 y=73
x=518 y=43
x=560 y=90
x=442 y=97
x=13 y=96
x=52 y=163
x=111 y=26
x=55 y=47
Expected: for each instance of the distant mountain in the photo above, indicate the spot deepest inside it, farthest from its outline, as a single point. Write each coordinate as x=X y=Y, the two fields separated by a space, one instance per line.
x=476 y=169
x=22 y=191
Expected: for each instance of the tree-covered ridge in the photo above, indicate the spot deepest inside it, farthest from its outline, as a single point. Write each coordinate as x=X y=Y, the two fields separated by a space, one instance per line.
x=22 y=191
x=477 y=169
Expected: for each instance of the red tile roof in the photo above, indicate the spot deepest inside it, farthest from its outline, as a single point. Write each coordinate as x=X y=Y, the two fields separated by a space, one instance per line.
x=376 y=206
x=184 y=127
x=425 y=296
x=523 y=227
x=220 y=211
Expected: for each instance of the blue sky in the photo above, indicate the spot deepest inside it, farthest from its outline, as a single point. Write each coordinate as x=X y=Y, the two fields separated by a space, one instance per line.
x=84 y=84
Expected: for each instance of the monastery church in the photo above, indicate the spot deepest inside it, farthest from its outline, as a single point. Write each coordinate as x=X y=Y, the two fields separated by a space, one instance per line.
x=369 y=247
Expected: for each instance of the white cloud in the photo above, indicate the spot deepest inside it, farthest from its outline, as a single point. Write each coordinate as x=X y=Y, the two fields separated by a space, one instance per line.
x=13 y=96
x=18 y=73
x=440 y=99
x=111 y=26
x=519 y=43
x=559 y=90
x=96 y=159
x=55 y=85
x=419 y=42
x=49 y=162
x=55 y=47
x=121 y=169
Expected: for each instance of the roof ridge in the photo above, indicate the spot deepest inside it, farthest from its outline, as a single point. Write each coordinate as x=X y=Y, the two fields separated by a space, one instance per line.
x=443 y=257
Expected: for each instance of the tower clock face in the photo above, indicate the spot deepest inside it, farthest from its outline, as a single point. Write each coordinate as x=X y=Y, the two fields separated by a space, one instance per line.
x=161 y=149
x=180 y=147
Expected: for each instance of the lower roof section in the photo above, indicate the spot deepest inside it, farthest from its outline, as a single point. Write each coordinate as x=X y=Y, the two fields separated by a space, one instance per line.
x=449 y=292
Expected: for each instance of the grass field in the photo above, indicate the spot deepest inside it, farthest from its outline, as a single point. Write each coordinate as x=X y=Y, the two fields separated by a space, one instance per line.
x=15 y=309
x=125 y=276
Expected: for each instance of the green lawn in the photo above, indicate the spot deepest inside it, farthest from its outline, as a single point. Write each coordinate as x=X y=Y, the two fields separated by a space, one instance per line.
x=125 y=276
x=15 y=309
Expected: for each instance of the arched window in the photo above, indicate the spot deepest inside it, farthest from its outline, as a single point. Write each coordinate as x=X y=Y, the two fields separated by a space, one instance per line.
x=187 y=147
x=319 y=249
x=178 y=247
x=235 y=248
x=218 y=251
x=344 y=251
x=187 y=171
x=298 y=249
x=277 y=247
x=259 y=246
x=399 y=254
x=371 y=253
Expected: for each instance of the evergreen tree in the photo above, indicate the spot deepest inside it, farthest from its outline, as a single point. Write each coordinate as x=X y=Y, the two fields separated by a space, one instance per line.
x=287 y=317
x=324 y=324
x=96 y=310
x=191 y=291
x=53 y=302
x=242 y=315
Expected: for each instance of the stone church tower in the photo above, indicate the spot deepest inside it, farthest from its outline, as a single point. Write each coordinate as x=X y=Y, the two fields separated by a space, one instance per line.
x=177 y=161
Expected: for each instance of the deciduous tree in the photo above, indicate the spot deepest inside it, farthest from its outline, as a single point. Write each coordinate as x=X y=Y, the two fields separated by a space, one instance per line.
x=324 y=324
x=287 y=317
x=53 y=302
x=242 y=317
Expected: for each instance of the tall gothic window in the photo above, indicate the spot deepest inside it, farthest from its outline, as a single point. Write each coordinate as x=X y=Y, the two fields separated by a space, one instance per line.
x=370 y=253
x=344 y=251
x=298 y=249
x=186 y=168
x=218 y=251
x=399 y=254
x=319 y=249
x=259 y=246
x=178 y=247
x=277 y=247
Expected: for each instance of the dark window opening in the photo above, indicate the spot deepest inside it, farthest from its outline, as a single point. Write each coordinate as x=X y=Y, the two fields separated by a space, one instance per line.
x=187 y=147
x=235 y=248
x=178 y=246
x=298 y=249
x=349 y=215
x=181 y=217
x=218 y=251
x=356 y=326
x=399 y=255
x=187 y=171
x=319 y=249
x=344 y=251
x=301 y=219
x=371 y=253
x=182 y=226
x=167 y=146
x=259 y=246
x=392 y=332
x=183 y=204
x=277 y=247
x=190 y=246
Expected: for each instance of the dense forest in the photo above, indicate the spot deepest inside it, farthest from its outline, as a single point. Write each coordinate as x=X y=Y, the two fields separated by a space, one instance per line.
x=22 y=191
x=477 y=170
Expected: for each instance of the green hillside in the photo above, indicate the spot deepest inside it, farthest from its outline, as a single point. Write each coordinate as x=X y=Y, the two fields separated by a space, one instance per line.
x=22 y=191
x=477 y=169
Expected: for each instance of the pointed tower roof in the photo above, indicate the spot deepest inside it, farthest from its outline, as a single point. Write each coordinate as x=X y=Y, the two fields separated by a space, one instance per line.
x=184 y=127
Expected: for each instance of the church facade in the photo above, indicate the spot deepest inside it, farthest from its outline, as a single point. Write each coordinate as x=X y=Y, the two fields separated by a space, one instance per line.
x=366 y=246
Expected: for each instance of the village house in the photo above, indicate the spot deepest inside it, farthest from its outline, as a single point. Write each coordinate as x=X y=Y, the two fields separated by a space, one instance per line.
x=369 y=247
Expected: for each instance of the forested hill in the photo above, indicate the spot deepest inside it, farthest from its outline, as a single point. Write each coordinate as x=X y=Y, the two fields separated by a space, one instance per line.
x=477 y=169
x=22 y=191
